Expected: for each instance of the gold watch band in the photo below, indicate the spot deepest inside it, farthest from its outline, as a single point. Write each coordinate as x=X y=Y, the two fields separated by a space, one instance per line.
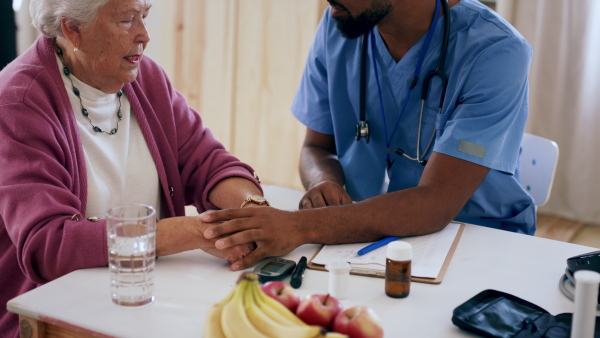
x=255 y=199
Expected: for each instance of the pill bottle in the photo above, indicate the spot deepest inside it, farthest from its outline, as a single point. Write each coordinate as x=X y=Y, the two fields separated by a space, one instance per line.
x=339 y=274
x=397 y=269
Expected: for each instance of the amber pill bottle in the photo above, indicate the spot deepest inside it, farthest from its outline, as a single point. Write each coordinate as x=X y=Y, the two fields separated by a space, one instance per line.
x=397 y=269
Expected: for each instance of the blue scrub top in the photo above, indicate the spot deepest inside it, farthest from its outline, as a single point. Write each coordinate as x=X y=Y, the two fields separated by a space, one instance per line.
x=483 y=116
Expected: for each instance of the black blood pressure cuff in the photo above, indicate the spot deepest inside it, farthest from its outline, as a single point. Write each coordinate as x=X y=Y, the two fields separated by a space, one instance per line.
x=493 y=313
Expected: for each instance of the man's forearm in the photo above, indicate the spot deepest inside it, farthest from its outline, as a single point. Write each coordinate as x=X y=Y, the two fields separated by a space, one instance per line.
x=409 y=212
x=319 y=165
x=446 y=185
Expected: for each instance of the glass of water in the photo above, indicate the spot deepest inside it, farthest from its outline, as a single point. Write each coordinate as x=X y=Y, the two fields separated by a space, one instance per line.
x=131 y=235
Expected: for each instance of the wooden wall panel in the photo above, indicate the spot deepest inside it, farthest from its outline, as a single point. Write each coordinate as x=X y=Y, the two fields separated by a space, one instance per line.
x=162 y=27
x=239 y=62
x=203 y=55
x=273 y=41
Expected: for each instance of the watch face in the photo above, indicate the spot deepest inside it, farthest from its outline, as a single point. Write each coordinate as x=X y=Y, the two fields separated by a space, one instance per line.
x=258 y=198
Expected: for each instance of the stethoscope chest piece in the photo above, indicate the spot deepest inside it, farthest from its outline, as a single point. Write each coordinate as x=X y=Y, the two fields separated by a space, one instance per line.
x=362 y=130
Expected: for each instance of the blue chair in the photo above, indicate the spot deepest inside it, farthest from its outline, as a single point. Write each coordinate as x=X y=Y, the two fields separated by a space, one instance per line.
x=539 y=157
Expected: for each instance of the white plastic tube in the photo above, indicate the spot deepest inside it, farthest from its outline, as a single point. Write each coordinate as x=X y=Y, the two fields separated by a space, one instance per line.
x=586 y=300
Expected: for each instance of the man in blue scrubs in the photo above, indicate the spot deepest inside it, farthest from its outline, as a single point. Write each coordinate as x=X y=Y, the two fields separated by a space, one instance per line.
x=470 y=171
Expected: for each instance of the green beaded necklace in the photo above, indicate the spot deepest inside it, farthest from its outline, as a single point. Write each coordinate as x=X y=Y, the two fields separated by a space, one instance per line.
x=83 y=110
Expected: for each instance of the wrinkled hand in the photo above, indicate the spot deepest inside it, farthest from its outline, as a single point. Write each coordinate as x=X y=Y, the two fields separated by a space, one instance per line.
x=324 y=194
x=275 y=232
x=178 y=234
x=232 y=254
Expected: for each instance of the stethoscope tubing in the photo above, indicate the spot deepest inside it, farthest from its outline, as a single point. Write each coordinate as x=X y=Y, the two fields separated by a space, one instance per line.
x=362 y=129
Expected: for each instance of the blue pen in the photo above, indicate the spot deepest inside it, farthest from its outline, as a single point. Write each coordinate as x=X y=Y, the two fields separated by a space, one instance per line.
x=377 y=245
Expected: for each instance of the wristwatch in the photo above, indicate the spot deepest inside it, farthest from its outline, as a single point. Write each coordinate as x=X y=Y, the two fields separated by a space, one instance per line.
x=256 y=199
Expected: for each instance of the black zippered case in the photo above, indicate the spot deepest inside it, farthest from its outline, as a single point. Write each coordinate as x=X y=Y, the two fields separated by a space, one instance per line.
x=493 y=313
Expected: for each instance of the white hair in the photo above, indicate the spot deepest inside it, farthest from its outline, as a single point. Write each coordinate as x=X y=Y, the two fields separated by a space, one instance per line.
x=47 y=14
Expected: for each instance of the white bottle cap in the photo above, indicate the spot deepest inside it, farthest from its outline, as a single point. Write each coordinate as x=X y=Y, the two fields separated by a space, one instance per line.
x=399 y=251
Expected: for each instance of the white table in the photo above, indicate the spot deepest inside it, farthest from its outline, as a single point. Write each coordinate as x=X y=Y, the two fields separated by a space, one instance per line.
x=187 y=284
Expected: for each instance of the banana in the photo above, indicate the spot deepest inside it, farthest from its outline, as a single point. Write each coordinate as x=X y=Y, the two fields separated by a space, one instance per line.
x=276 y=316
x=268 y=325
x=249 y=313
x=212 y=324
x=276 y=310
x=234 y=320
x=280 y=314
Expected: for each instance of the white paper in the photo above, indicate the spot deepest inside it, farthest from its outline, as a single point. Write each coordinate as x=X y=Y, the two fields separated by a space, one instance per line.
x=429 y=253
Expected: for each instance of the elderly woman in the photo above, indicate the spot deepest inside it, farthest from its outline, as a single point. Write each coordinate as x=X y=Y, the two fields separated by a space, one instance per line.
x=89 y=122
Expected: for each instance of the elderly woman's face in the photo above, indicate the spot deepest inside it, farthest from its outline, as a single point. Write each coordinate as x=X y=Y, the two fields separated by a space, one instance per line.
x=113 y=44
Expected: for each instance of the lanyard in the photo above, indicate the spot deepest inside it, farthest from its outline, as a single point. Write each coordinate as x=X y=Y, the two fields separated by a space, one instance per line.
x=413 y=83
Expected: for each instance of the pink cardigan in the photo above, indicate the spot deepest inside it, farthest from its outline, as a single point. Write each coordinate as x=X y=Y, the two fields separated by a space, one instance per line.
x=43 y=179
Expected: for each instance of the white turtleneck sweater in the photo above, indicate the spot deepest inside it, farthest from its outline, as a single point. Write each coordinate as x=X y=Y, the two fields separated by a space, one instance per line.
x=120 y=169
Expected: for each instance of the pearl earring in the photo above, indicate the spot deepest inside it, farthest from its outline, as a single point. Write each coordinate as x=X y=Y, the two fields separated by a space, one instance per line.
x=75 y=49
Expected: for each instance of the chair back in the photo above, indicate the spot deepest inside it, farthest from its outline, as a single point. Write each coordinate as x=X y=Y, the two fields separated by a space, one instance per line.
x=539 y=157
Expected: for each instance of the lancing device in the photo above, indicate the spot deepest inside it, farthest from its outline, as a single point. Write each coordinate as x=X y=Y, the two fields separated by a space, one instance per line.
x=297 y=275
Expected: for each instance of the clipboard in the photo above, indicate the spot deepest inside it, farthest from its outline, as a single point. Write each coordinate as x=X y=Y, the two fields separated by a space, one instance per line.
x=381 y=273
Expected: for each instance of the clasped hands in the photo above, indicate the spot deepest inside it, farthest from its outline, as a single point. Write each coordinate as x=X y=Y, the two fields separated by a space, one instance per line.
x=179 y=234
x=274 y=232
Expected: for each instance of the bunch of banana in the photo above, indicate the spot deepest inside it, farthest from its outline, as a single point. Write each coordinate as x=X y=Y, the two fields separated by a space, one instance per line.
x=248 y=312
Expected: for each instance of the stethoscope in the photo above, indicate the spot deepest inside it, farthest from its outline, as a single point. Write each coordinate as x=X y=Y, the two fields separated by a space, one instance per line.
x=362 y=128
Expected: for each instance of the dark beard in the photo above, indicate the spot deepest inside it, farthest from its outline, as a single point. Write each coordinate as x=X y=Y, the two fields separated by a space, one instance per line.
x=351 y=28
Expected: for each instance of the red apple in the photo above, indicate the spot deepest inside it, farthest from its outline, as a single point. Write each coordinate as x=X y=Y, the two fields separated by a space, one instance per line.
x=319 y=310
x=358 y=322
x=283 y=293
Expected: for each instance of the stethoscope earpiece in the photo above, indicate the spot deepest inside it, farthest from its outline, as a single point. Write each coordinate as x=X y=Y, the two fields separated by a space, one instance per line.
x=402 y=153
